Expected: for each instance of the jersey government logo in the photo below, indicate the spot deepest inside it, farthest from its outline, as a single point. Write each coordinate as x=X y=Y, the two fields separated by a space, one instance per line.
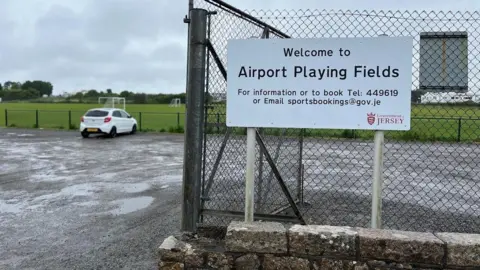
x=384 y=119
x=370 y=118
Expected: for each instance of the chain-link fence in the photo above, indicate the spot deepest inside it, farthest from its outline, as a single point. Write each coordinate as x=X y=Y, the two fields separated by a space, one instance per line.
x=431 y=175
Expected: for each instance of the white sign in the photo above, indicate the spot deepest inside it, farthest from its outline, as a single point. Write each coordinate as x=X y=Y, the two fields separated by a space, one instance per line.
x=337 y=83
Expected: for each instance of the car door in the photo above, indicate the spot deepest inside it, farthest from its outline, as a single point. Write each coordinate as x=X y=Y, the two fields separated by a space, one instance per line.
x=118 y=121
x=128 y=121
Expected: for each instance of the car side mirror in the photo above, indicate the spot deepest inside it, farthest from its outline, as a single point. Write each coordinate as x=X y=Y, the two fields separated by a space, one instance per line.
x=129 y=116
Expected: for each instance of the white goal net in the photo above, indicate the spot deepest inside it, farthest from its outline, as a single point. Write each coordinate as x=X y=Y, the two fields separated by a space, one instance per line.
x=176 y=102
x=112 y=102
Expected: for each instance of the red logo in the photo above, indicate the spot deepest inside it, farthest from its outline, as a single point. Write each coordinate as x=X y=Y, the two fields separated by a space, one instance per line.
x=371 y=118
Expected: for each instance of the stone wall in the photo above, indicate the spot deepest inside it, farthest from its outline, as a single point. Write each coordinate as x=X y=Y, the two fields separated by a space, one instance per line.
x=270 y=245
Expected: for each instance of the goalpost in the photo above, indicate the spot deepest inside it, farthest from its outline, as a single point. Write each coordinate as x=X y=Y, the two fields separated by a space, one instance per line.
x=176 y=102
x=112 y=102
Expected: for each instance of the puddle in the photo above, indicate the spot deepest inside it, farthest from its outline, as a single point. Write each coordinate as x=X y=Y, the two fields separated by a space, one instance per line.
x=91 y=203
x=10 y=208
x=130 y=205
x=134 y=188
x=68 y=192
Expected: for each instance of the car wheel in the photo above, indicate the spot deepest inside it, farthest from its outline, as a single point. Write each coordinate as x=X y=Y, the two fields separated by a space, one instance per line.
x=85 y=134
x=113 y=132
x=134 y=129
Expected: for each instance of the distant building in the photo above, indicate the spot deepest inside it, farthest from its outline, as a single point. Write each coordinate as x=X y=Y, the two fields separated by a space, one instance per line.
x=450 y=97
x=218 y=97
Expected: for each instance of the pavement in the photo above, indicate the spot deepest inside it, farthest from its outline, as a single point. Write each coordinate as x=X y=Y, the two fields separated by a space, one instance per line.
x=97 y=203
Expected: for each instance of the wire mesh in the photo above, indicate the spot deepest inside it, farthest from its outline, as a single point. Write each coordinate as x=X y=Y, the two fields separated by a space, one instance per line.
x=431 y=175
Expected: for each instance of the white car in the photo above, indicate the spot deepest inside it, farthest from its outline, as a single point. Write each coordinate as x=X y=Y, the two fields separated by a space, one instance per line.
x=109 y=121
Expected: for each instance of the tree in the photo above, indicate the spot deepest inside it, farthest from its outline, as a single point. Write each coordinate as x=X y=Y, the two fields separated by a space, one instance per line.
x=1 y=87
x=92 y=93
x=109 y=91
x=11 y=85
x=140 y=98
x=20 y=94
x=126 y=94
x=43 y=87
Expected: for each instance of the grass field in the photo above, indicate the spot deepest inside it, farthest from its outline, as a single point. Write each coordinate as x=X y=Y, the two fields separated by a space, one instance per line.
x=429 y=122
x=156 y=117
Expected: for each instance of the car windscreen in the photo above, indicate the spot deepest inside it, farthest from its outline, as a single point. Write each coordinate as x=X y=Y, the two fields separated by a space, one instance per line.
x=96 y=113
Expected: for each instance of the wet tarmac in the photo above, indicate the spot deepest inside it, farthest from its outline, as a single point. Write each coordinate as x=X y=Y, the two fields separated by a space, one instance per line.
x=427 y=186
x=97 y=203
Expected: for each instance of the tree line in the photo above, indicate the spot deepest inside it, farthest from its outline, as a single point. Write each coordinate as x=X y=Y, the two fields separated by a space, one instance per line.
x=11 y=90
x=91 y=96
x=41 y=91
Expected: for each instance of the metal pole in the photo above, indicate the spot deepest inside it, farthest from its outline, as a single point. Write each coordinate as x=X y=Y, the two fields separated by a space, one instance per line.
x=300 y=169
x=265 y=35
x=140 y=121
x=37 y=124
x=192 y=168
x=459 y=129
x=377 y=180
x=250 y=175
x=206 y=117
x=377 y=183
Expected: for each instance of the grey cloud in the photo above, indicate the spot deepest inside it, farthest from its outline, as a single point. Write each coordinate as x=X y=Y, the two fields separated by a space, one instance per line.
x=88 y=44
x=119 y=20
x=169 y=53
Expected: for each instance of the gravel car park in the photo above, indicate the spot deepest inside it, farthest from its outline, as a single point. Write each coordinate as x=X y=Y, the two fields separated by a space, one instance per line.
x=71 y=203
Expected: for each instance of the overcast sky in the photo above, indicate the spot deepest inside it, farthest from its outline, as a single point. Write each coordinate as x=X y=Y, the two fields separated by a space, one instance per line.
x=138 y=45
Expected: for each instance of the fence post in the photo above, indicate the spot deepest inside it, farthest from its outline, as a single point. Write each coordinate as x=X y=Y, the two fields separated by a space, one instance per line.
x=36 y=119
x=459 y=132
x=192 y=168
x=376 y=219
x=299 y=187
x=69 y=119
x=6 y=118
x=140 y=121
x=178 y=119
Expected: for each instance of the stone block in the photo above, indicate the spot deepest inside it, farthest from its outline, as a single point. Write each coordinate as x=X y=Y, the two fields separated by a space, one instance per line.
x=171 y=266
x=380 y=265
x=462 y=249
x=256 y=237
x=173 y=250
x=331 y=264
x=194 y=258
x=400 y=246
x=247 y=262
x=272 y=262
x=317 y=240
x=219 y=260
